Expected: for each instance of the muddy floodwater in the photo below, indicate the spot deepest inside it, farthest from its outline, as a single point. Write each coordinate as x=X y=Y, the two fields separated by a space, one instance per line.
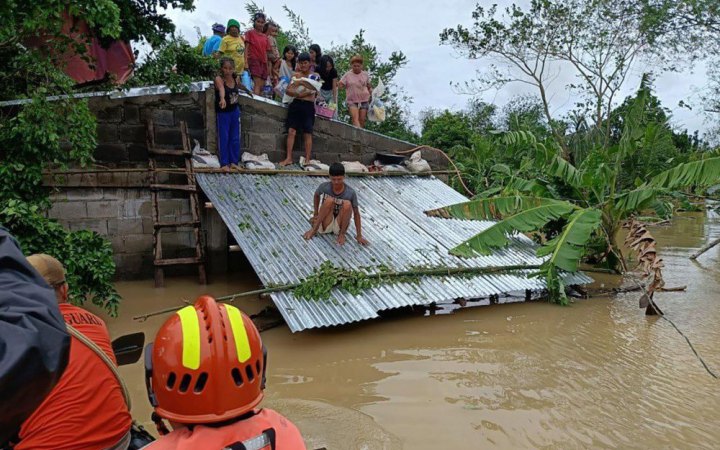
x=596 y=374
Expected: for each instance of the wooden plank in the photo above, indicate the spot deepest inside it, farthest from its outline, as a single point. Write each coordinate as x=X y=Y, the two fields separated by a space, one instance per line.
x=168 y=151
x=178 y=261
x=173 y=187
x=192 y=223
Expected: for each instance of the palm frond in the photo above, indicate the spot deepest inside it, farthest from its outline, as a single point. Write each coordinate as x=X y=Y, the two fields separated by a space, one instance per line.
x=705 y=172
x=489 y=208
x=526 y=220
x=566 y=249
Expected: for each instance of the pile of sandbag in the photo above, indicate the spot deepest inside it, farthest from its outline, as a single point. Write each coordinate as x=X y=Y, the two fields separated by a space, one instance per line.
x=257 y=162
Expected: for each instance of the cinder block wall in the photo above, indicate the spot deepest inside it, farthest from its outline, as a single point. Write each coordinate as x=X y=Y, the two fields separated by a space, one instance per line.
x=118 y=204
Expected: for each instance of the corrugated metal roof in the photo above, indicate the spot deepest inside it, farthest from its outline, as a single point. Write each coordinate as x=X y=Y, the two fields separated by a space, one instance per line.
x=268 y=214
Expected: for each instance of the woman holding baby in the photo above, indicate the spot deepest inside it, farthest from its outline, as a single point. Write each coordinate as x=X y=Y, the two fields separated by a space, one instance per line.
x=301 y=111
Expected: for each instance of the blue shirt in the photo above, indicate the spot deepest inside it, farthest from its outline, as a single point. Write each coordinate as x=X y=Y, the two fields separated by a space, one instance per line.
x=212 y=45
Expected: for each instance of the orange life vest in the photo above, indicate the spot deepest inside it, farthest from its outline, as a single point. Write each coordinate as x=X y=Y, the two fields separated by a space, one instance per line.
x=274 y=425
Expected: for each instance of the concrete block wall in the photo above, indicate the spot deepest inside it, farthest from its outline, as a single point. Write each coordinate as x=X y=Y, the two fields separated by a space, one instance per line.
x=121 y=125
x=118 y=204
x=124 y=215
x=263 y=131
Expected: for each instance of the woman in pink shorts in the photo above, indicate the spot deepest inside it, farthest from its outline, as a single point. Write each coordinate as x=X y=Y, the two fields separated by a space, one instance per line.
x=356 y=83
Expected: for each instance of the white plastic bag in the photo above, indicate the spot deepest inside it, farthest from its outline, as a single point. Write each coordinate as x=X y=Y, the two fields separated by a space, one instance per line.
x=416 y=164
x=376 y=111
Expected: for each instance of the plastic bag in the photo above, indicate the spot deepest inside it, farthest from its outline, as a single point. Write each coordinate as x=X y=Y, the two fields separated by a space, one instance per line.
x=376 y=111
x=416 y=164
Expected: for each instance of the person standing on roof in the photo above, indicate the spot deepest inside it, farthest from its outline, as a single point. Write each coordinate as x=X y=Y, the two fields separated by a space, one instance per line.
x=205 y=374
x=256 y=54
x=334 y=204
x=212 y=45
x=86 y=410
x=273 y=54
x=227 y=111
x=356 y=83
x=233 y=45
x=301 y=111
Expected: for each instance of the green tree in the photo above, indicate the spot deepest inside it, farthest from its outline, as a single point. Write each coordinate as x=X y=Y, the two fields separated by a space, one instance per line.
x=597 y=41
x=586 y=204
x=445 y=129
x=174 y=63
x=47 y=133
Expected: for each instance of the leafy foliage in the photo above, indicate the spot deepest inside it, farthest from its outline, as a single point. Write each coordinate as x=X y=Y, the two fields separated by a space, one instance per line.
x=45 y=133
x=175 y=63
x=577 y=210
x=326 y=277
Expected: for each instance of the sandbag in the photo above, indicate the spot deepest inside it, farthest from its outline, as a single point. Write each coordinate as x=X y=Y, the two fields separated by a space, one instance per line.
x=313 y=165
x=257 y=162
x=394 y=168
x=202 y=158
x=355 y=167
x=416 y=164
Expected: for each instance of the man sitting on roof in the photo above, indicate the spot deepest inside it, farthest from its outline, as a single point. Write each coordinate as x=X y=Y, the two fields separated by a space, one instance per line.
x=339 y=204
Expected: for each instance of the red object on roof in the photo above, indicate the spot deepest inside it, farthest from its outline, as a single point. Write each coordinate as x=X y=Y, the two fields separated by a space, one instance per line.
x=115 y=60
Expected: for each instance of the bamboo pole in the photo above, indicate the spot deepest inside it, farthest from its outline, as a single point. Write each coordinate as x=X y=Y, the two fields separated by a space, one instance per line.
x=381 y=275
x=704 y=249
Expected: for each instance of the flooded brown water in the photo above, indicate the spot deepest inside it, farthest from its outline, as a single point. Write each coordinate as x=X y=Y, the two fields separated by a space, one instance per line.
x=596 y=374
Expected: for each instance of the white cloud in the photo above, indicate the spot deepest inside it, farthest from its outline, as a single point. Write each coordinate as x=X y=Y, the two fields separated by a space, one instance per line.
x=413 y=27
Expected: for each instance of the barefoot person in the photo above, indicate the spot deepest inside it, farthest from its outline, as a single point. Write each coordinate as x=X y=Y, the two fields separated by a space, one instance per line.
x=334 y=204
x=301 y=111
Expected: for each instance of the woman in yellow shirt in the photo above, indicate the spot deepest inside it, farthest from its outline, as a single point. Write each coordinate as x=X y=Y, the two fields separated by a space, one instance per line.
x=233 y=45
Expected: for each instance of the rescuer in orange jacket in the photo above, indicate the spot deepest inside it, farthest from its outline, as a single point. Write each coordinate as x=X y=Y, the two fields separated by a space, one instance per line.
x=205 y=374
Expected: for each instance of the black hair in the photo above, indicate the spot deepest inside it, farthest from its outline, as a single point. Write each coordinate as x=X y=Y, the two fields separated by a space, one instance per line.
x=222 y=61
x=291 y=48
x=304 y=56
x=337 y=169
x=269 y=24
x=258 y=15
x=318 y=52
x=320 y=69
x=225 y=59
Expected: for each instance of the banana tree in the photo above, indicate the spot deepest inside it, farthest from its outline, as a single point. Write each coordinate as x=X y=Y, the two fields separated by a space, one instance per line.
x=587 y=200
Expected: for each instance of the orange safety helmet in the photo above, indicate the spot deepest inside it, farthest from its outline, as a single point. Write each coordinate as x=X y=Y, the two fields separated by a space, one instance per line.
x=207 y=364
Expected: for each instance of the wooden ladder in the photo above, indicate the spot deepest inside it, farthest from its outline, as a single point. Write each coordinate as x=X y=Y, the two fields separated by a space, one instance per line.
x=190 y=187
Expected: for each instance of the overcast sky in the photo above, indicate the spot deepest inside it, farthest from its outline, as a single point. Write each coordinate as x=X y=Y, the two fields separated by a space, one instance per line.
x=413 y=27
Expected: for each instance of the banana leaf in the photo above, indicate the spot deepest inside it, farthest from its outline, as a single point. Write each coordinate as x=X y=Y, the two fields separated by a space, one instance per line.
x=525 y=220
x=566 y=249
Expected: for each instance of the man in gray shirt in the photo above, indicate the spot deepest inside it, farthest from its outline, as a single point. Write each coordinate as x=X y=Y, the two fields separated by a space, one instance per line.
x=333 y=206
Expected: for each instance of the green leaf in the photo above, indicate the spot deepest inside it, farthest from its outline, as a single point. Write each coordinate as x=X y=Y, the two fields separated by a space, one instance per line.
x=635 y=200
x=528 y=219
x=705 y=172
x=490 y=208
x=567 y=248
